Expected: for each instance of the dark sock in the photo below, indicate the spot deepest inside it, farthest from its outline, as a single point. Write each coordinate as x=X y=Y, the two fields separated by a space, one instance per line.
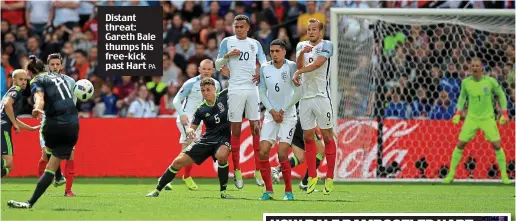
x=318 y=159
x=5 y=171
x=166 y=178
x=294 y=161
x=42 y=186
x=223 y=172
x=59 y=175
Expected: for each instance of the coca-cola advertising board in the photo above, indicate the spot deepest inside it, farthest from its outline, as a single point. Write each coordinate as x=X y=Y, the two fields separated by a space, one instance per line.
x=145 y=147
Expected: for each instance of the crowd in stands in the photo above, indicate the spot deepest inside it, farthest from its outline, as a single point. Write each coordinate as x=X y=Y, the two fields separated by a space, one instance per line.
x=193 y=30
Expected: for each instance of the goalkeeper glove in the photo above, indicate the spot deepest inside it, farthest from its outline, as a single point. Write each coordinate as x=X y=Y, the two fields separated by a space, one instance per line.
x=456 y=117
x=504 y=118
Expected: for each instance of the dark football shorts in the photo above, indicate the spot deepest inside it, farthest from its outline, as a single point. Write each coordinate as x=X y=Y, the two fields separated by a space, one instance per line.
x=7 y=143
x=60 y=138
x=298 y=139
x=203 y=149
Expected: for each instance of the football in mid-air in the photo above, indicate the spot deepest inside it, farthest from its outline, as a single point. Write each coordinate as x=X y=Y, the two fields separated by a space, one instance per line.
x=83 y=90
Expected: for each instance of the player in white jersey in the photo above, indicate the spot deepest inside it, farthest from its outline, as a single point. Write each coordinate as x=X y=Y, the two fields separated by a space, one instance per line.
x=279 y=95
x=55 y=64
x=191 y=94
x=241 y=55
x=315 y=107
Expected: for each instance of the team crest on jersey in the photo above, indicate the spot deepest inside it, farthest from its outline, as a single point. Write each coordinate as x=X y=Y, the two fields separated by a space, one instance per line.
x=485 y=90
x=252 y=47
x=221 y=107
x=284 y=76
x=207 y=115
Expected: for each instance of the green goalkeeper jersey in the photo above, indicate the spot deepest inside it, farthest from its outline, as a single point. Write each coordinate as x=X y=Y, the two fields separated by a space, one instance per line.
x=479 y=95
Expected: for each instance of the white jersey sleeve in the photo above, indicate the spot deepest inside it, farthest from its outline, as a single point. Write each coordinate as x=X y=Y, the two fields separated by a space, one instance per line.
x=297 y=92
x=183 y=94
x=316 y=82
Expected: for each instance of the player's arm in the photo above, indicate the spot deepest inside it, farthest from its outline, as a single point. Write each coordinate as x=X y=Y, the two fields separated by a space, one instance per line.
x=462 y=97
x=24 y=126
x=190 y=132
x=263 y=91
x=460 y=103
x=298 y=91
x=183 y=93
x=218 y=86
x=262 y=59
x=9 y=109
x=320 y=58
x=497 y=89
x=300 y=55
x=38 y=93
x=222 y=57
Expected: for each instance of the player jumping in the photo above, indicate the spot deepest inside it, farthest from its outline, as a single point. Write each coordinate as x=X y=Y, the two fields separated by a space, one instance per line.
x=11 y=103
x=315 y=107
x=192 y=96
x=55 y=65
x=215 y=141
x=279 y=95
x=478 y=90
x=52 y=97
x=240 y=54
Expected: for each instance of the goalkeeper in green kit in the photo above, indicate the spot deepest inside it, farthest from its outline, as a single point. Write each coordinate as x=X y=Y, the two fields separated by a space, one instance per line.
x=478 y=90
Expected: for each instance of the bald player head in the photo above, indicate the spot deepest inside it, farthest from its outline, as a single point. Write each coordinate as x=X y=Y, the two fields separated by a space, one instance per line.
x=206 y=68
x=20 y=78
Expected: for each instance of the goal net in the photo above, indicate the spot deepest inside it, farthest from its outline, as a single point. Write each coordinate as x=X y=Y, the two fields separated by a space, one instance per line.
x=397 y=80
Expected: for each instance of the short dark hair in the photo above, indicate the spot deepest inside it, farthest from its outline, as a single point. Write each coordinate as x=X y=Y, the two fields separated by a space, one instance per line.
x=243 y=17
x=207 y=81
x=167 y=55
x=313 y=20
x=54 y=56
x=280 y=43
x=82 y=52
x=35 y=65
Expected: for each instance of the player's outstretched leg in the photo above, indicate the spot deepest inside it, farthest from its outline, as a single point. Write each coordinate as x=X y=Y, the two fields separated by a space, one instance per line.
x=223 y=170
x=283 y=148
x=70 y=175
x=170 y=173
x=44 y=181
x=330 y=151
x=455 y=159
x=265 y=169
x=236 y=128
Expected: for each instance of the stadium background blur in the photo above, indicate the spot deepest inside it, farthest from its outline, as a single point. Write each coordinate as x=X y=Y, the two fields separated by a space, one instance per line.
x=193 y=31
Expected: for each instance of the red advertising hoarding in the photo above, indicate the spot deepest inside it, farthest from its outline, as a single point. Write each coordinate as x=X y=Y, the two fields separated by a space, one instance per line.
x=145 y=147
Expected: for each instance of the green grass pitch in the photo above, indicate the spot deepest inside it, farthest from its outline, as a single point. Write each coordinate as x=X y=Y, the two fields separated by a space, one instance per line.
x=123 y=198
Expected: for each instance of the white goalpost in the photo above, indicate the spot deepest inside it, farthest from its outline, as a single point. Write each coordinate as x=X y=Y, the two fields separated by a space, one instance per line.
x=395 y=80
